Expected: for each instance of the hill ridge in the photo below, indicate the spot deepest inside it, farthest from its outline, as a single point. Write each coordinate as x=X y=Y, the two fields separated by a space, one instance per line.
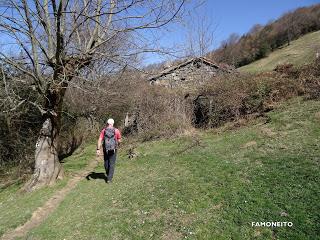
x=301 y=51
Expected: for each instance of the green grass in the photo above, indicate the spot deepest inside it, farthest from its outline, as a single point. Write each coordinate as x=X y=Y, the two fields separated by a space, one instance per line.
x=299 y=52
x=79 y=159
x=17 y=207
x=177 y=190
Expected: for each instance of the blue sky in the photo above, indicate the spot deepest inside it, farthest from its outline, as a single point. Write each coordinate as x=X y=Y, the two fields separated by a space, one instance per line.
x=226 y=17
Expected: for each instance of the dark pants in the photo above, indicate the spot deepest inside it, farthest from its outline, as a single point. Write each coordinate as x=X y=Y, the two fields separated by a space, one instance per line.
x=109 y=163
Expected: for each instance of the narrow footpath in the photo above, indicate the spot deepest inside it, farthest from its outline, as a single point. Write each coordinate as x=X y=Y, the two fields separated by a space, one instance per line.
x=42 y=213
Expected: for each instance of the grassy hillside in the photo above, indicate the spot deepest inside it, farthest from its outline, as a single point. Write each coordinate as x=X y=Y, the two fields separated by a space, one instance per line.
x=209 y=185
x=300 y=51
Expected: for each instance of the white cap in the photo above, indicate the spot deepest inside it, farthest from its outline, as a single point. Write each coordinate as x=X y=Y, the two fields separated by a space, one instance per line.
x=110 y=121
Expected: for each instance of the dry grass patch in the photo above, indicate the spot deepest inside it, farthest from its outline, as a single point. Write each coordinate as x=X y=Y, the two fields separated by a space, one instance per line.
x=250 y=144
x=268 y=131
x=172 y=234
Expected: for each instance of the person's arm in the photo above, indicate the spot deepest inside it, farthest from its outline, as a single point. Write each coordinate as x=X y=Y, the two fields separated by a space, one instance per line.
x=100 y=142
x=118 y=136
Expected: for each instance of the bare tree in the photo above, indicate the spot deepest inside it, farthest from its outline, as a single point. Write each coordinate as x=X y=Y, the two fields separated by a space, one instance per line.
x=199 y=35
x=57 y=40
x=228 y=51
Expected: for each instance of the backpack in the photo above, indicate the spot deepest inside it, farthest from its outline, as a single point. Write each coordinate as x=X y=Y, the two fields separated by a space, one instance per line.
x=110 y=142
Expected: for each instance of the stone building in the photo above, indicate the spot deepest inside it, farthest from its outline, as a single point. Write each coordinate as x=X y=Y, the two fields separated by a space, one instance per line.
x=184 y=75
x=192 y=71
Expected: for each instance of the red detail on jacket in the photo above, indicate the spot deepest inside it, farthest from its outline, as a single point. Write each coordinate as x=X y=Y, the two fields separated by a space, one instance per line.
x=117 y=134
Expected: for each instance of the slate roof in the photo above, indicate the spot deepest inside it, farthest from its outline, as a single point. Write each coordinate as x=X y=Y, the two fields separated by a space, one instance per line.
x=185 y=63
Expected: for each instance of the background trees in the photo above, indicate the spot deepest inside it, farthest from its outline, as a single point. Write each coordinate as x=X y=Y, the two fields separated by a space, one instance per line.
x=260 y=40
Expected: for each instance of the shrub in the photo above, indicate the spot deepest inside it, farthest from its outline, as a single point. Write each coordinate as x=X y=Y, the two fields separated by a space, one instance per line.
x=228 y=98
x=162 y=112
x=310 y=80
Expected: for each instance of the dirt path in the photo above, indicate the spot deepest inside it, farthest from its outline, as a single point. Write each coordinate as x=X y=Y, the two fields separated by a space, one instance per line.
x=43 y=212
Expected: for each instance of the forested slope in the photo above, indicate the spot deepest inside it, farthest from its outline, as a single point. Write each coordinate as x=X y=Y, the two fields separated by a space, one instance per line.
x=299 y=52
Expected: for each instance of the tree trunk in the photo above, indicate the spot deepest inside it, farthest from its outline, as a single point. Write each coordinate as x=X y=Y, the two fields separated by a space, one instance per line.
x=47 y=166
x=288 y=37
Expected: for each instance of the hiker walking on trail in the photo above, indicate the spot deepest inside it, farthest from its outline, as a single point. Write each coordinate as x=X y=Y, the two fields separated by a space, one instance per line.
x=109 y=139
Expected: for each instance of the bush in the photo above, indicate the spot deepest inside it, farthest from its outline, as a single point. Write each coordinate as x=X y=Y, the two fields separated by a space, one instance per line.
x=161 y=112
x=230 y=97
x=310 y=80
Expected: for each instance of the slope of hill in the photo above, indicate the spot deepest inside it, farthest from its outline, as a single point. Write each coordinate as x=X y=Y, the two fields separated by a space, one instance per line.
x=300 y=51
x=210 y=185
